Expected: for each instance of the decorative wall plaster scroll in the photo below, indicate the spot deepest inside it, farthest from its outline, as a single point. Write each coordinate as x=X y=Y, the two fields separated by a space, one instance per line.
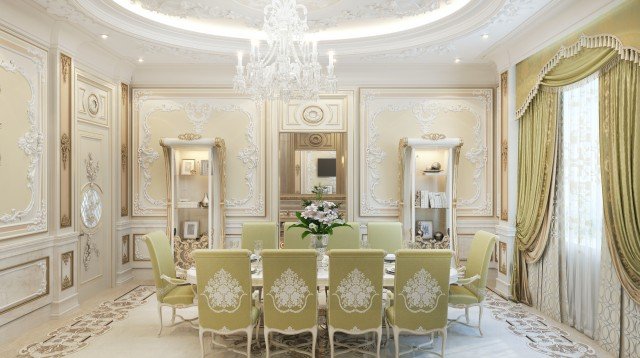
x=125 y=249
x=91 y=210
x=140 y=252
x=199 y=107
x=29 y=63
x=426 y=107
x=23 y=283
x=504 y=146
x=124 y=149
x=66 y=270
x=329 y=114
x=66 y=115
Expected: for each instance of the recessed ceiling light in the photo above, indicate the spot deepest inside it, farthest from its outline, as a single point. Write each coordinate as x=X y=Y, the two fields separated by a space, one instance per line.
x=104 y=36
x=457 y=60
x=141 y=60
x=485 y=36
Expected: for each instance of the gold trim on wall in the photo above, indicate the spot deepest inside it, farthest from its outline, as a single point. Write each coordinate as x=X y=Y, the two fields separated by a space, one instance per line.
x=66 y=110
x=504 y=146
x=66 y=281
x=124 y=149
x=45 y=293
x=126 y=257
x=136 y=250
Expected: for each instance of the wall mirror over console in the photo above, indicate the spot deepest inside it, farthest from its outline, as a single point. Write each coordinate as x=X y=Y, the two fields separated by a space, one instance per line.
x=308 y=162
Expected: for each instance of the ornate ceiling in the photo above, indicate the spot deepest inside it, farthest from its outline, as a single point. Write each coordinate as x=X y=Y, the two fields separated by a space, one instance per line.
x=372 y=31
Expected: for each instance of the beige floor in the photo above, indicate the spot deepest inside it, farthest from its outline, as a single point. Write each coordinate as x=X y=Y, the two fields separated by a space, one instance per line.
x=135 y=336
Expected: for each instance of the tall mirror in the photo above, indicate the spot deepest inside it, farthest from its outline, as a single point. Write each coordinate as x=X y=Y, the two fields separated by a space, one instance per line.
x=308 y=161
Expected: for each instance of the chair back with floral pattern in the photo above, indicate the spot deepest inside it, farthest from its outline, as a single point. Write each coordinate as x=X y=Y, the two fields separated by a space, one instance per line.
x=345 y=237
x=422 y=289
x=293 y=237
x=161 y=262
x=355 y=289
x=478 y=259
x=267 y=231
x=290 y=295
x=224 y=289
x=385 y=235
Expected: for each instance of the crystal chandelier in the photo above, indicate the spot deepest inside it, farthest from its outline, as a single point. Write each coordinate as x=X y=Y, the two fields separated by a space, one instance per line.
x=289 y=67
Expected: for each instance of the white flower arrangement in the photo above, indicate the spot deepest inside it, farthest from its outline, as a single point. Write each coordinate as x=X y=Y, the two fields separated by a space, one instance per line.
x=319 y=217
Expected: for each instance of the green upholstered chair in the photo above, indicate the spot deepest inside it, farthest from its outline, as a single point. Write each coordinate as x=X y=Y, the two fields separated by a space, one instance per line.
x=386 y=236
x=345 y=237
x=293 y=237
x=170 y=291
x=290 y=296
x=422 y=293
x=225 y=303
x=355 y=296
x=471 y=290
x=267 y=231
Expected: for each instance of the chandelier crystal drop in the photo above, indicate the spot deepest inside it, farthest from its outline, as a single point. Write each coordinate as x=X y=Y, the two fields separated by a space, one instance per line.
x=288 y=68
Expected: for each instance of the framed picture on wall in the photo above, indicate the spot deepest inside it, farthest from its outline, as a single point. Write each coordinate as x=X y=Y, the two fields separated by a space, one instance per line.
x=190 y=230
x=188 y=167
x=424 y=228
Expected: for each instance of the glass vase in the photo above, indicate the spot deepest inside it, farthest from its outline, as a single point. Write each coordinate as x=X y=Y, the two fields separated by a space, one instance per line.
x=319 y=243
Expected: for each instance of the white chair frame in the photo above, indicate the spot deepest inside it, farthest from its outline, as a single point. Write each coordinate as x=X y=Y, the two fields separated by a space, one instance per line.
x=225 y=332
x=174 y=308
x=348 y=348
x=296 y=348
x=397 y=331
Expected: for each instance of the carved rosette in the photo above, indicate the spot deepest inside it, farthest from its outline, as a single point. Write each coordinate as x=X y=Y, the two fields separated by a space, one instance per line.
x=189 y=136
x=434 y=136
x=65 y=149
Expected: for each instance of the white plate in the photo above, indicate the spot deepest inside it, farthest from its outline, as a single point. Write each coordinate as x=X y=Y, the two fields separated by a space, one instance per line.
x=390 y=257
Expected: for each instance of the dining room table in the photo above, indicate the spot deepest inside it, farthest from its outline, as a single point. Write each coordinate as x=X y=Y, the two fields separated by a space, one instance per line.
x=388 y=277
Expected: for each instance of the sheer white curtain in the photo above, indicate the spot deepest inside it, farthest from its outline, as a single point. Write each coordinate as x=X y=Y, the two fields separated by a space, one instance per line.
x=580 y=199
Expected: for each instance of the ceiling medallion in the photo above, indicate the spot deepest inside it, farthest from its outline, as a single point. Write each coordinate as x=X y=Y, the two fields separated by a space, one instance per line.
x=189 y=136
x=289 y=66
x=313 y=114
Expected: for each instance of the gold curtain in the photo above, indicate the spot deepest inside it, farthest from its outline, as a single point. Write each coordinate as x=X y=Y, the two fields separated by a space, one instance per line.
x=537 y=162
x=536 y=173
x=619 y=154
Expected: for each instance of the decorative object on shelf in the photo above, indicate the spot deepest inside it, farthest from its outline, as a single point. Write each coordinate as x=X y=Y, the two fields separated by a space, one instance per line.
x=204 y=167
x=190 y=230
x=289 y=66
x=438 y=236
x=424 y=228
x=434 y=168
x=189 y=136
x=205 y=201
x=319 y=218
x=432 y=243
x=188 y=167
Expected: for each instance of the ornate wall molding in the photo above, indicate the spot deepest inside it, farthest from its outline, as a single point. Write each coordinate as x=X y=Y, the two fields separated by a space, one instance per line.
x=504 y=146
x=24 y=283
x=329 y=114
x=426 y=107
x=140 y=252
x=125 y=255
x=29 y=63
x=199 y=107
x=66 y=270
x=66 y=117
x=124 y=149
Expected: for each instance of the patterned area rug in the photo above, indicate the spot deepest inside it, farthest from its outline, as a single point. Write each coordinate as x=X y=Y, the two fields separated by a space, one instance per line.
x=539 y=335
x=527 y=328
x=77 y=335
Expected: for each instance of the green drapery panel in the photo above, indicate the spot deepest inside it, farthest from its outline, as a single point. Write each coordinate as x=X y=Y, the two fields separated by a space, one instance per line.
x=536 y=172
x=579 y=67
x=620 y=157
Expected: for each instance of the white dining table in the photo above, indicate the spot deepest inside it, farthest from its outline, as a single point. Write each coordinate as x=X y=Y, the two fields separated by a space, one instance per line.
x=323 y=276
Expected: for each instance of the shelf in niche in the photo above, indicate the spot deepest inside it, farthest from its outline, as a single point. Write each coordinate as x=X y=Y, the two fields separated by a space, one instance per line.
x=440 y=173
x=420 y=207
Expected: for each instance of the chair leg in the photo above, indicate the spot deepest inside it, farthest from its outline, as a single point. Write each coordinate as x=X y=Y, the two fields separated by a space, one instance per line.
x=444 y=342
x=258 y=332
x=314 y=335
x=201 y=334
x=173 y=315
x=379 y=341
x=160 y=315
x=396 y=340
x=249 y=331
x=331 y=341
x=480 y=321
x=386 y=326
x=466 y=314
x=266 y=340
